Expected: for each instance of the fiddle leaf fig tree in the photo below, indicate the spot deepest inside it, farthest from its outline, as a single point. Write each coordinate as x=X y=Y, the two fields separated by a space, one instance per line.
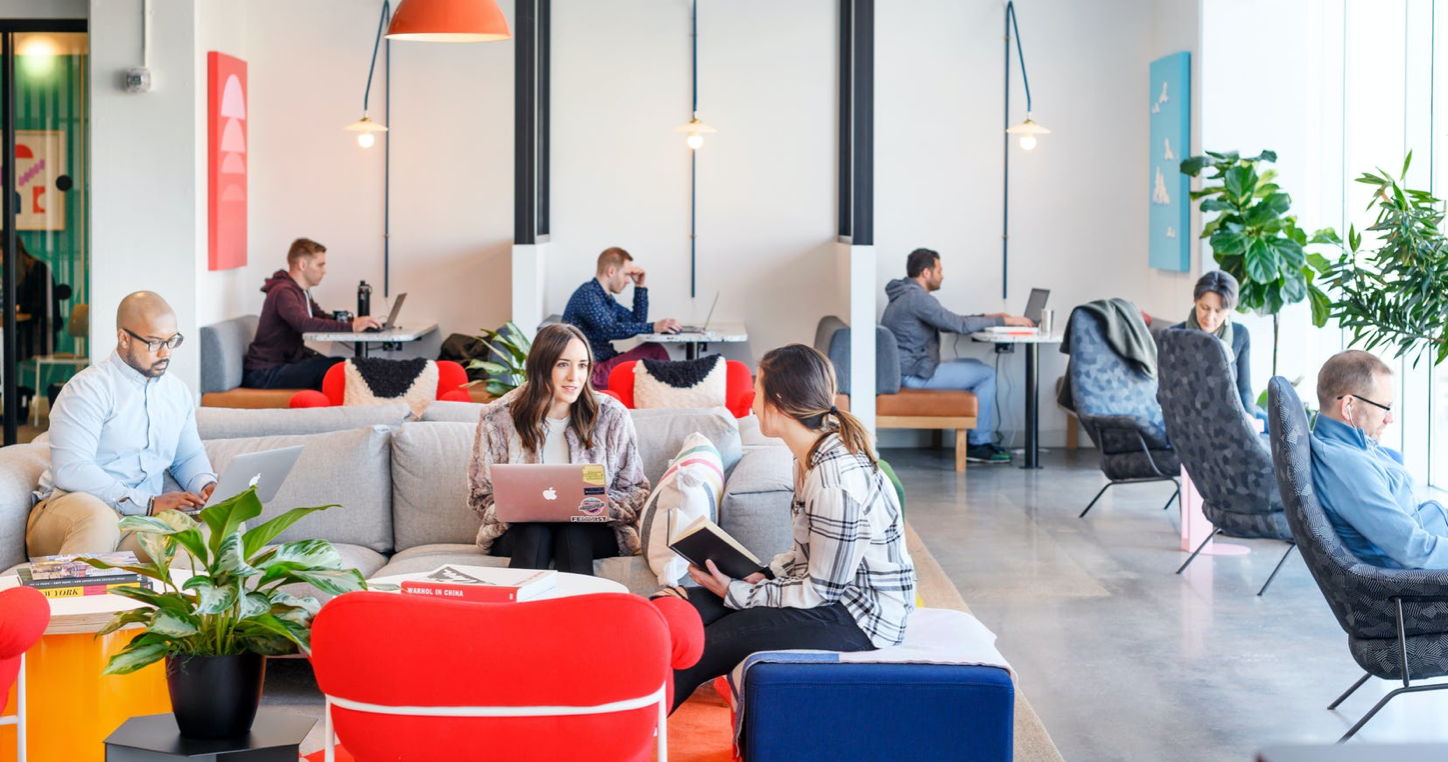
x=1396 y=295
x=1255 y=239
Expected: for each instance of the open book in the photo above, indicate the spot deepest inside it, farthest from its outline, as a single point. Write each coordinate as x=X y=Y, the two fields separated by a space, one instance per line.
x=702 y=540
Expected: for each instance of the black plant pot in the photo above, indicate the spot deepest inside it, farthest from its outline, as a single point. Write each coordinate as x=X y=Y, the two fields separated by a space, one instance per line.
x=215 y=696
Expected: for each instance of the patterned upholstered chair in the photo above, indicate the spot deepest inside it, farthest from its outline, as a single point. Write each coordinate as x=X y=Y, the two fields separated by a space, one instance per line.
x=1117 y=406
x=1396 y=620
x=1230 y=463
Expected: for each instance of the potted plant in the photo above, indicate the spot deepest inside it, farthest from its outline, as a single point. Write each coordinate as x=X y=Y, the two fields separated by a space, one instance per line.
x=510 y=346
x=216 y=627
x=1396 y=295
x=1254 y=238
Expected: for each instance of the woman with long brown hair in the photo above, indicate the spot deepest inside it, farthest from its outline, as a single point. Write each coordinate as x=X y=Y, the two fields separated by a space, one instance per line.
x=555 y=417
x=847 y=583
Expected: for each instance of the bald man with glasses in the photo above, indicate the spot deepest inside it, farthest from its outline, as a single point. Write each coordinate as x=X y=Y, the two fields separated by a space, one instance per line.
x=1370 y=497
x=116 y=429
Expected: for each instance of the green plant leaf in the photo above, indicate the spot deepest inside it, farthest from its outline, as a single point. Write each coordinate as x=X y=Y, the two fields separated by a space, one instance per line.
x=134 y=657
x=314 y=554
x=1193 y=166
x=161 y=600
x=144 y=571
x=174 y=624
x=259 y=536
x=331 y=582
x=306 y=603
x=1270 y=156
x=498 y=388
x=254 y=604
x=1228 y=242
x=1406 y=161
x=227 y=516
x=231 y=560
x=492 y=368
x=210 y=598
x=1261 y=261
x=1240 y=181
x=124 y=618
x=1321 y=306
x=1216 y=205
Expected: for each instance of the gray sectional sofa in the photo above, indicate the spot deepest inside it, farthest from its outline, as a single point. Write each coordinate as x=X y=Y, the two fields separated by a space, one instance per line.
x=402 y=483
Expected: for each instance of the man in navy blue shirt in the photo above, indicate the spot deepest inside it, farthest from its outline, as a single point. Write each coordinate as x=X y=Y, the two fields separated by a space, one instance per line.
x=603 y=320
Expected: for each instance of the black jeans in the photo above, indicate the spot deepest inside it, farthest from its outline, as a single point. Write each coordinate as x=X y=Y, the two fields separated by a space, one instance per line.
x=731 y=635
x=307 y=374
x=572 y=545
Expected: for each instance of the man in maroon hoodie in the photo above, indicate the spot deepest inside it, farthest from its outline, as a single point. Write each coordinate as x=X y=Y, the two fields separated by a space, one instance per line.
x=277 y=358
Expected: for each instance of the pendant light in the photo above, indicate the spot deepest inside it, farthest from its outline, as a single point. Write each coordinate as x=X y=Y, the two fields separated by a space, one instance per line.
x=449 y=21
x=365 y=128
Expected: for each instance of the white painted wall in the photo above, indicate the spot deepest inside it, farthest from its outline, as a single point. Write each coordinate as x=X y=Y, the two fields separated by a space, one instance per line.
x=144 y=227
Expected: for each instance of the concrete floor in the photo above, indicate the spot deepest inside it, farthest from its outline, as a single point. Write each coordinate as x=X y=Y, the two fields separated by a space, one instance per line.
x=1122 y=659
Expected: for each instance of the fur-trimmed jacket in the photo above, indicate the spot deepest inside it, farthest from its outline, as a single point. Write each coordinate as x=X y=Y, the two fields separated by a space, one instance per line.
x=615 y=445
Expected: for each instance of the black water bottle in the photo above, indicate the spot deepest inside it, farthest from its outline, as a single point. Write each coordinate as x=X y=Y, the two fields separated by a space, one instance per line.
x=364 y=299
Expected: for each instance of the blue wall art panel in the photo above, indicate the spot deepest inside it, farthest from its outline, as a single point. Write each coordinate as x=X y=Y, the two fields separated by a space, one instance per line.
x=1171 y=120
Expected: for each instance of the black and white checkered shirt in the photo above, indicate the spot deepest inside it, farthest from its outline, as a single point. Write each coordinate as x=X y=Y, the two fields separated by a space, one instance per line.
x=849 y=548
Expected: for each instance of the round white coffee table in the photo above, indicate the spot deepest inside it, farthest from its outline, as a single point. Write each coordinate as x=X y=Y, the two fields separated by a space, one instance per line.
x=568 y=584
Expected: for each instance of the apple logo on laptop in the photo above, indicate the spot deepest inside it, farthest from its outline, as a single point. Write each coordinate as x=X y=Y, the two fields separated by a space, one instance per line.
x=252 y=482
x=550 y=494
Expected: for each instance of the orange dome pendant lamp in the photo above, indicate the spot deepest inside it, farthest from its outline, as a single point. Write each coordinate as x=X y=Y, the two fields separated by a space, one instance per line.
x=449 y=21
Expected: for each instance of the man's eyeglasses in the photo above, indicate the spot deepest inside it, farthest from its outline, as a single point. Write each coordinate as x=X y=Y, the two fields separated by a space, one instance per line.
x=1388 y=408
x=154 y=345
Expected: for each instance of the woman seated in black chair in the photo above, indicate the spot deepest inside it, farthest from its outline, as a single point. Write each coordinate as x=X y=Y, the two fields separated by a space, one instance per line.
x=1215 y=297
x=847 y=583
x=556 y=418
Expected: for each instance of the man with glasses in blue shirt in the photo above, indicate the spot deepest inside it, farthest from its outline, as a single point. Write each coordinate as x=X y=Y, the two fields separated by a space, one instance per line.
x=116 y=428
x=1369 y=496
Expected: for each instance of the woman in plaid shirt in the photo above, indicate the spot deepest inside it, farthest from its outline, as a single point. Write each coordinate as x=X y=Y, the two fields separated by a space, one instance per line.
x=847 y=583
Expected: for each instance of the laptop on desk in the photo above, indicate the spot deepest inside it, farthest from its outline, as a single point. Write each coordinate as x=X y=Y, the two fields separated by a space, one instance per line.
x=391 y=316
x=265 y=470
x=573 y=492
x=1036 y=304
x=707 y=319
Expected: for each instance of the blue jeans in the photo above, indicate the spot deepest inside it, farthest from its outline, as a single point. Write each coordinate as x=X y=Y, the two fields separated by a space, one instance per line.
x=966 y=375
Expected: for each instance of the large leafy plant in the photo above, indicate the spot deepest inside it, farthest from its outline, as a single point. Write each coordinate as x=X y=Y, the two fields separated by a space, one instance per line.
x=1255 y=239
x=511 y=346
x=231 y=604
x=1396 y=295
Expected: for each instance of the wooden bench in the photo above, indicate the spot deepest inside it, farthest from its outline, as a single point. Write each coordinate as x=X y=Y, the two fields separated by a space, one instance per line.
x=896 y=407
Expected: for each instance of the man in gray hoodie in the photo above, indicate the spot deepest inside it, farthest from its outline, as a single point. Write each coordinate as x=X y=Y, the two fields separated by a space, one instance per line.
x=917 y=318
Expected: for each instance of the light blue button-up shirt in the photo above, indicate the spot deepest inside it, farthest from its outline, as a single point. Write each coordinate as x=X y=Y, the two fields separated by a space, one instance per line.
x=1370 y=500
x=114 y=433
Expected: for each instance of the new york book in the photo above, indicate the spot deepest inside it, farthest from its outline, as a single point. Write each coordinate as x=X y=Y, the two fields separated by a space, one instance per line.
x=483 y=585
x=702 y=540
x=79 y=587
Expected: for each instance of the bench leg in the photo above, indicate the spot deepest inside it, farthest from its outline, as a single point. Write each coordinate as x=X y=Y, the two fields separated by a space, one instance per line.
x=960 y=446
x=1072 y=433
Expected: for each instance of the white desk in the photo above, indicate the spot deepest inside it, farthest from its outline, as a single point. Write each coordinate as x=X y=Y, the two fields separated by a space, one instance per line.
x=364 y=339
x=1033 y=344
x=568 y=584
x=723 y=333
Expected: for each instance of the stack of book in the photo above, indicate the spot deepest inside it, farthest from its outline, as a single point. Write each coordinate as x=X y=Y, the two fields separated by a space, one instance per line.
x=69 y=577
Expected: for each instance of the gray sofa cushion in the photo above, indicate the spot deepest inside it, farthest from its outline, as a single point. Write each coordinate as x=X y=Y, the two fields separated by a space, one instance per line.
x=662 y=432
x=455 y=412
x=755 y=508
x=751 y=437
x=223 y=347
x=235 y=423
x=20 y=470
x=430 y=484
x=349 y=468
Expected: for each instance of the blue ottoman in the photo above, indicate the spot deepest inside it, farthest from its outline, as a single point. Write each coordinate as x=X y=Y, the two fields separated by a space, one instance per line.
x=899 y=712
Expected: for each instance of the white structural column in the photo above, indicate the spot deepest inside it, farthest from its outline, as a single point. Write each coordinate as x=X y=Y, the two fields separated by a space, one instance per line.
x=857 y=265
x=529 y=281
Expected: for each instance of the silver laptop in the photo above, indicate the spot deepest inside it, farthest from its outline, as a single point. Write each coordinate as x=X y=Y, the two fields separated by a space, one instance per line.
x=1036 y=303
x=550 y=493
x=396 y=308
x=265 y=470
x=707 y=319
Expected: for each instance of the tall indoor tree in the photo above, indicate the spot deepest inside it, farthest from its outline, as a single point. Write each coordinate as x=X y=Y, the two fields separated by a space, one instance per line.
x=1397 y=294
x=1255 y=239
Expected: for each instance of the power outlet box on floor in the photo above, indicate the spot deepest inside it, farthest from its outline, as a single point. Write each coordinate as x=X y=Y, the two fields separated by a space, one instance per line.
x=1005 y=349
